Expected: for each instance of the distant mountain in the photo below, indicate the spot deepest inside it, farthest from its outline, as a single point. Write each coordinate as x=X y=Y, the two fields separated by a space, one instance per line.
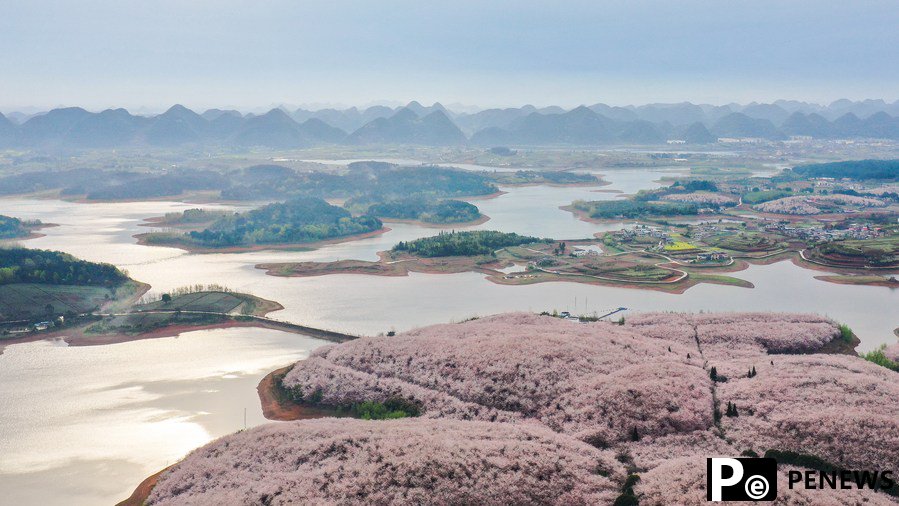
x=813 y=125
x=598 y=124
x=178 y=125
x=697 y=133
x=616 y=113
x=492 y=118
x=771 y=112
x=580 y=126
x=225 y=125
x=677 y=114
x=641 y=132
x=881 y=125
x=275 y=129
x=110 y=128
x=423 y=111
x=214 y=114
x=8 y=131
x=862 y=109
x=739 y=125
x=51 y=128
x=406 y=127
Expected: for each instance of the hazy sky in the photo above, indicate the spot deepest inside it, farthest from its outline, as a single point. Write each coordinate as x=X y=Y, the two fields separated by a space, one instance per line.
x=252 y=54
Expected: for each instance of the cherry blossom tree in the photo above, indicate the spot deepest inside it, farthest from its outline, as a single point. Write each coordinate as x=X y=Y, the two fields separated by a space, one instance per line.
x=343 y=461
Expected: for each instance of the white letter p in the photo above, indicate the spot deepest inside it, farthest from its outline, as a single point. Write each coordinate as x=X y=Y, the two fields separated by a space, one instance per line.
x=718 y=482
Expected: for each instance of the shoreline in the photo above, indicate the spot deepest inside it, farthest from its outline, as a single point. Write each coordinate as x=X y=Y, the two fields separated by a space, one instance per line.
x=493 y=274
x=274 y=408
x=583 y=216
x=463 y=224
x=75 y=336
x=305 y=246
x=142 y=492
x=278 y=409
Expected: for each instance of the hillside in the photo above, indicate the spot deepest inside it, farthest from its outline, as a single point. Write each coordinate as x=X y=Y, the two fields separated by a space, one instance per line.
x=297 y=221
x=407 y=127
x=640 y=401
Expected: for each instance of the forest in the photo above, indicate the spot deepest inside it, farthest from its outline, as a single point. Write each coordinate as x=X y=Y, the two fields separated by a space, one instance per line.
x=10 y=227
x=258 y=182
x=21 y=265
x=853 y=169
x=609 y=209
x=417 y=208
x=478 y=242
x=542 y=177
x=373 y=179
x=295 y=221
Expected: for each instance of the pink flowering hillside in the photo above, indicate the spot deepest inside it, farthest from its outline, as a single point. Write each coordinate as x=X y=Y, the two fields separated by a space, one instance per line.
x=340 y=461
x=527 y=409
x=598 y=382
x=892 y=352
x=840 y=408
x=731 y=335
x=813 y=204
x=702 y=198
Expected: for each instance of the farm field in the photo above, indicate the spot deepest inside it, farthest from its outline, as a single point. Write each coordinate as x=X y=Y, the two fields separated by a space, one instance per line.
x=22 y=301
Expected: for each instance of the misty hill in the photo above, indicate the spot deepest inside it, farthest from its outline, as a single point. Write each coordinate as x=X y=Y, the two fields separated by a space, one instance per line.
x=580 y=126
x=739 y=125
x=8 y=131
x=492 y=118
x=178 y=125
x=598 y=124
x=697 y=133
x=275 y=129
x=406 y=127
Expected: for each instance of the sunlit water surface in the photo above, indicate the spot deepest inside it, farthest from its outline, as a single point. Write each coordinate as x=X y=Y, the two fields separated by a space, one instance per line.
x=84 y=425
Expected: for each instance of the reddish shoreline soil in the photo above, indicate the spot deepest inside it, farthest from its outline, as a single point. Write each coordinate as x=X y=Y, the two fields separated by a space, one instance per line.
x=284 y=410
x=842 y=281
x=75 y=336
x=142 y=492
x=484 y=197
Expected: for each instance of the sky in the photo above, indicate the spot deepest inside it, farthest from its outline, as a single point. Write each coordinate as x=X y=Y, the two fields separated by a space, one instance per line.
x=252 y=55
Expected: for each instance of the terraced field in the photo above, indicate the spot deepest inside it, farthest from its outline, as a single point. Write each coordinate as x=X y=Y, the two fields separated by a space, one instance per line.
x=26 y=301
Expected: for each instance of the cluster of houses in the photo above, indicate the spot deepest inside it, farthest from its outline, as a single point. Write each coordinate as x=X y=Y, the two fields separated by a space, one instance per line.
x=36 y=327
x=711 y=256
x=628 y=234
x=820 y=234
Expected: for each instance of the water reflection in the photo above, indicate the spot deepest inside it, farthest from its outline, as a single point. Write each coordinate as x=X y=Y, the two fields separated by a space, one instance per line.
x=83 y=425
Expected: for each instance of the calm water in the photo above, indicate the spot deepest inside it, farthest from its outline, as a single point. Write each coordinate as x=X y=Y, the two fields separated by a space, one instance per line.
x=84 y=425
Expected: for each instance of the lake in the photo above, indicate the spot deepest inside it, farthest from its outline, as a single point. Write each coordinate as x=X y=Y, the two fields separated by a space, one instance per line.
x=84 y=425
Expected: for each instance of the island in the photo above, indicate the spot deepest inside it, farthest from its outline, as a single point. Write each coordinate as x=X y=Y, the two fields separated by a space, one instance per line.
x=418 y=210
x=512 y=259
x=301 y=222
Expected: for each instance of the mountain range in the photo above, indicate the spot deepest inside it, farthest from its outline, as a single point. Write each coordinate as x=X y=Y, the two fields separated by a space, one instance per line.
x=435 y=125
